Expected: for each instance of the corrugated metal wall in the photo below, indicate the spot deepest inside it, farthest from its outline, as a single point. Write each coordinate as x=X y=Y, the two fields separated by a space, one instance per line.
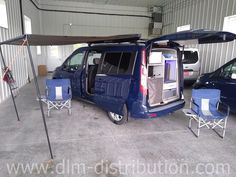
x=14 y=29
x=67 y=23
x=202 y=14
x=34 y=14
x=93 y=24
x=14 y=54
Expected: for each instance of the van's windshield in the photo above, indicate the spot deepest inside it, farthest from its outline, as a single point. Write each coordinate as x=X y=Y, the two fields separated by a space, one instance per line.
x=190 y=57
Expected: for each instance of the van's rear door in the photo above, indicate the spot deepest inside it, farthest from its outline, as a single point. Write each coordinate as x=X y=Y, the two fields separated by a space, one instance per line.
x=195 y=37
x=112 y=82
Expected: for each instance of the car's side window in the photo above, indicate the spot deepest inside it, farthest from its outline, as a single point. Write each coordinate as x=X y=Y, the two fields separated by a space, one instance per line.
x=228 y=71
x=75 y=62
x=233 y=71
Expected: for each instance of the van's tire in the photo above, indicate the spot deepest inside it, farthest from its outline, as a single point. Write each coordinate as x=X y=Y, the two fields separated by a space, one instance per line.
x=118 y=119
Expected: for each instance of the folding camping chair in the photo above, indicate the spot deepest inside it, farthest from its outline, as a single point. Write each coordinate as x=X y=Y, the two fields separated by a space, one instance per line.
x=58 y=94
x=205 y=110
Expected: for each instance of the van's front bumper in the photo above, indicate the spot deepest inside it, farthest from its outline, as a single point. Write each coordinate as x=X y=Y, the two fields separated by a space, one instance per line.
x=141 y=111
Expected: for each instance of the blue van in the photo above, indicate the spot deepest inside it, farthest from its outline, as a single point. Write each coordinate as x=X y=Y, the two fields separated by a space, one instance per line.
x=137 y=79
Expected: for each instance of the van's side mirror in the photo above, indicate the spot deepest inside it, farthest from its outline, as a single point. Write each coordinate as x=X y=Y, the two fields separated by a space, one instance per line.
x=216 y=74
x=64 y=67
x=233 y=76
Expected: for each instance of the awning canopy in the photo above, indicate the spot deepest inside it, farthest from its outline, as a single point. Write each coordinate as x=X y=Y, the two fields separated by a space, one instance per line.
x=46 y=40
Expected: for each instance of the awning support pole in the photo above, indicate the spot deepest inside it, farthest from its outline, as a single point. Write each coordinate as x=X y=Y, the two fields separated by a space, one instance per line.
x=39 y=97
x=12 y=96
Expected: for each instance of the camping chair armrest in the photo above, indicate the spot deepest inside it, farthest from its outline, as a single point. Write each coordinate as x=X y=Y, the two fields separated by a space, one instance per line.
x=192 y=102
x=225 y=106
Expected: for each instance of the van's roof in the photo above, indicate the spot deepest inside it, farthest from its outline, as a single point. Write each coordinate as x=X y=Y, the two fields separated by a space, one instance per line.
x=117 y=44
x=113 y=47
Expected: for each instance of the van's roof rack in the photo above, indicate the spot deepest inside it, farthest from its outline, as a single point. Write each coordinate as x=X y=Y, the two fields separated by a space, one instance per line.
x=142 y=40
x=47 y=40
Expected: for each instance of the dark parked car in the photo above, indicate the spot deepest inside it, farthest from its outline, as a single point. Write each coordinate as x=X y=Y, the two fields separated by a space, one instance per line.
x=224 y=79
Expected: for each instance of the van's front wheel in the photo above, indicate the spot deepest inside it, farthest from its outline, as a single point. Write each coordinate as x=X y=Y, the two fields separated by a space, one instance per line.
x=119 y=119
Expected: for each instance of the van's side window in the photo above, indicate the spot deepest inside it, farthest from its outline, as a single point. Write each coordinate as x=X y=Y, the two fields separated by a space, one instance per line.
x=75 y=61
x=110 y=63
x=127 y=63
x=118 y=63
x=92 y=56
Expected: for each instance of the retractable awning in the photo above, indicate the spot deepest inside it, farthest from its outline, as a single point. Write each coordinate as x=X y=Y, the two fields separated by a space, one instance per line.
x=47 y=40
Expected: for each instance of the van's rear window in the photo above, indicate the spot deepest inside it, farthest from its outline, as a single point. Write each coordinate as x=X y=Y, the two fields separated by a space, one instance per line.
x=190 y=57
x=117 y=63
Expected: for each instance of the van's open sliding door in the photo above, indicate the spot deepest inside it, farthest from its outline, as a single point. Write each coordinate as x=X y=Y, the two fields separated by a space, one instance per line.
x=111 y=92
x=112 y=82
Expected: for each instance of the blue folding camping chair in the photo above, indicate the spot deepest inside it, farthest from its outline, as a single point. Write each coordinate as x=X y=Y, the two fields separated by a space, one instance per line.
x=58 y=94
x=205 y=110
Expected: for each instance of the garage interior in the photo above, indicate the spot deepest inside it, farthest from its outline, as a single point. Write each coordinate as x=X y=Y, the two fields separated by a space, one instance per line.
x=87 y=137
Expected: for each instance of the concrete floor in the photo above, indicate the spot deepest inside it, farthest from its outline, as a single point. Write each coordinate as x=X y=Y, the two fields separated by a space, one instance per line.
x=140 y=148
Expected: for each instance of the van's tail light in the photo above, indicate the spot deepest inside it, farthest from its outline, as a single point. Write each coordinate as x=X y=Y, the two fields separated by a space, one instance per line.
x=143 y=74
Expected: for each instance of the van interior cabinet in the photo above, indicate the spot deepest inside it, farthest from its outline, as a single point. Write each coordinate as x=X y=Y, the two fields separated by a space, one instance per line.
x=163 y=72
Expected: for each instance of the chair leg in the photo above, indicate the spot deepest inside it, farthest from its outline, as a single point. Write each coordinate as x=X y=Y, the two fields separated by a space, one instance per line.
x=224 y=128
x=223 y=135
x=190 y=127
x=198 y=128
x=48 y=109
x=190 y=122
x=69 y=109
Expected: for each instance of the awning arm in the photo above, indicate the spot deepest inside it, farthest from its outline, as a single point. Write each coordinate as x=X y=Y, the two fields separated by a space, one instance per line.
x=39 y=96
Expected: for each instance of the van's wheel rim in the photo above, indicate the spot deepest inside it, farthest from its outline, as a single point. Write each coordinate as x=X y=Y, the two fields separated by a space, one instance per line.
x=116 y=117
